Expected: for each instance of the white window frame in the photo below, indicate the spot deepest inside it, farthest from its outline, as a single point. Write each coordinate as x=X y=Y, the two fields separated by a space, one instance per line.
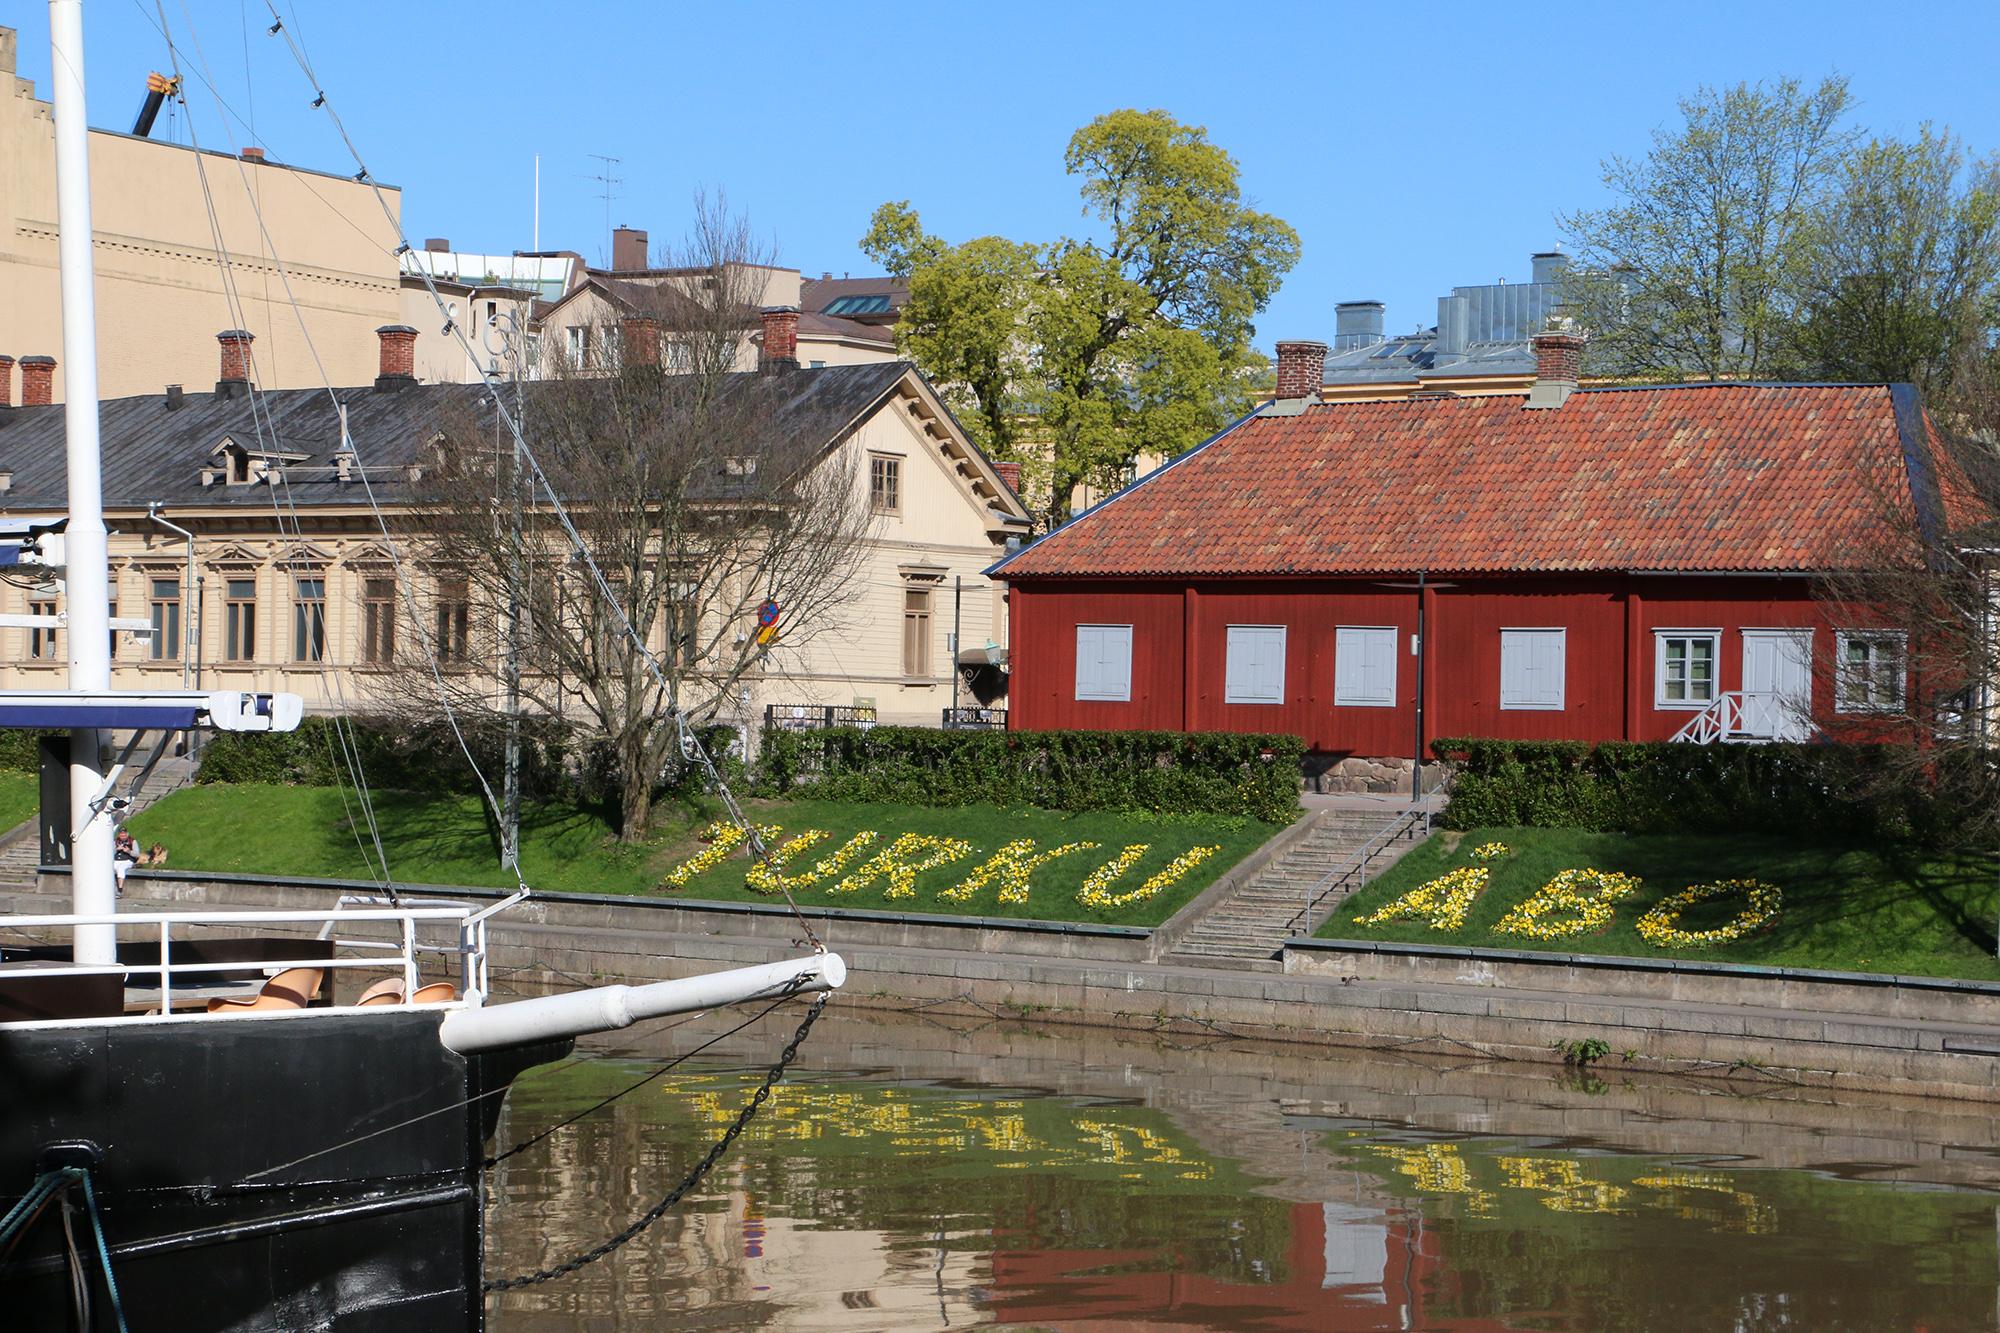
x=1346 y=635
x=1235 y=693
x=1660 y=699
x=1842 y=702
x=1104 y=694
x=1523 y=705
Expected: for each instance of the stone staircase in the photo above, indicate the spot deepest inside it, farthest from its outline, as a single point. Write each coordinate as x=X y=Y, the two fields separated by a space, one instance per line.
x=20 y=846
x=1246 y=928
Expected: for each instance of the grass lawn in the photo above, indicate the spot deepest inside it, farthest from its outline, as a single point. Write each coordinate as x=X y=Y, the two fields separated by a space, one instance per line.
x=1846 y=907
x=20 y=797
x=279 y=830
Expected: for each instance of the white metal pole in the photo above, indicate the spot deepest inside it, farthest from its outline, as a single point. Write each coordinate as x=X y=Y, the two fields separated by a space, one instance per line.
x=89 y=588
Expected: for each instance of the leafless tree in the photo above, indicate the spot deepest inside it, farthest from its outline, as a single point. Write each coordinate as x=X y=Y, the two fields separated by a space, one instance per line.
x=1919 y=656
x=693 y=501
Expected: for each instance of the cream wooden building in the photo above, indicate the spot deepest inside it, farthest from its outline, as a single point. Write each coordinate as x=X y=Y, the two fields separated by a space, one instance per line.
x=293 y=587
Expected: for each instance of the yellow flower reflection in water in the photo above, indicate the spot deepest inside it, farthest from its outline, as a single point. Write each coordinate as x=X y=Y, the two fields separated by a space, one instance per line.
x=1710 y=1198
x=916 y=1126
x=1562 y=1186
x=1437 y=1168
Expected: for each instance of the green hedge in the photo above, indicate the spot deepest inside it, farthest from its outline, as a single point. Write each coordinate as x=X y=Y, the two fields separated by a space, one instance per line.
x=1167 y=772
x=1847 y=791
x=555 y=765
x=20 y=751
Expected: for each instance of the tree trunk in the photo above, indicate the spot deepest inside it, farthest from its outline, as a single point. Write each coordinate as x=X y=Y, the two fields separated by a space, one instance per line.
x=635 y=791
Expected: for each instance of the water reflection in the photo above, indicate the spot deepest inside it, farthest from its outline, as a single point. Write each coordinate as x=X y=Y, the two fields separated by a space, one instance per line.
x=922 y=1176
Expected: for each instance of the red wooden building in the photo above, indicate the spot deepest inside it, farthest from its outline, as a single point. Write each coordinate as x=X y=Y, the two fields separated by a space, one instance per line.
x=1584 y=564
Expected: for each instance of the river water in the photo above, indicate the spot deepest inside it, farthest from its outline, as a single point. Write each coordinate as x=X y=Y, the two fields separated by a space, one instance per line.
x=934 y=1172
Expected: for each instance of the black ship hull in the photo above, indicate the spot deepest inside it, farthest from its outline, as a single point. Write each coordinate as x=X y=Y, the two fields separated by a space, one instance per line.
x=307 y=1171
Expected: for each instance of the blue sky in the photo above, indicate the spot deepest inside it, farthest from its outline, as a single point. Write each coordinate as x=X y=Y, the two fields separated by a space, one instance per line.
x=1413 y=147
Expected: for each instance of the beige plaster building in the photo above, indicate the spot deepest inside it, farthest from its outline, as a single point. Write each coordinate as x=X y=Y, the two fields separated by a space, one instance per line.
x=160 y=286
x=295 y=589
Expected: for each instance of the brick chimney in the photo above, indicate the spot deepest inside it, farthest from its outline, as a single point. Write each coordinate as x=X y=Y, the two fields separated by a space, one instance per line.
x=253 y=155
x=6 y=381
x=780 y=351
x=398 y=366
x=628 y=249
x=234 y=379
x=38 y=381
x=1558 y=364
x=1011 y=474
x=1301 y=369
x=639 y=336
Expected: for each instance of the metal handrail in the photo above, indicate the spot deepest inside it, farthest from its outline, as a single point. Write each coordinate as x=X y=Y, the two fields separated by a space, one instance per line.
x=1397 y=827
x=470 y=945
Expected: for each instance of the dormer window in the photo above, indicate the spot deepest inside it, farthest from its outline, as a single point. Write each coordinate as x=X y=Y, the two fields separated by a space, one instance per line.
x=239 y=466
x=740 y=465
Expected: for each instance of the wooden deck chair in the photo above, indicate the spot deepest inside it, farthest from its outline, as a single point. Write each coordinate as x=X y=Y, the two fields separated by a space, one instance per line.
x=293 y=988
x=389 y=990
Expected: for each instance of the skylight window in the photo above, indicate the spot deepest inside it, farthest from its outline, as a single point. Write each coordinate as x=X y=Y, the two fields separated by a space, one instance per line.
x=859 y=305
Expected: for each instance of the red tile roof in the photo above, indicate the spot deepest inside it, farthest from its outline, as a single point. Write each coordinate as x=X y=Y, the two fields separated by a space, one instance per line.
x=1730 y=477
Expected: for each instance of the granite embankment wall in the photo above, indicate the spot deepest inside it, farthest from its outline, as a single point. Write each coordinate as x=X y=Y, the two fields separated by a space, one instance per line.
x=1821 y=1030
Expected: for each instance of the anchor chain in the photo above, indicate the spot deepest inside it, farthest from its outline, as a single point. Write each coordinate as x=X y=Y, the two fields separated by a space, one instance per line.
x=693 y=1178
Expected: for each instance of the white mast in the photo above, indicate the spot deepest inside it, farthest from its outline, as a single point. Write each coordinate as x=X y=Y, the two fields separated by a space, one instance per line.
x=89 y=591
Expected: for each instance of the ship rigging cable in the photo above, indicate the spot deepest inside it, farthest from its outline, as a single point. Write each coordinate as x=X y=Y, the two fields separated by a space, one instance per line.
x=340 y=730
x=690 y=745
x=404 y=585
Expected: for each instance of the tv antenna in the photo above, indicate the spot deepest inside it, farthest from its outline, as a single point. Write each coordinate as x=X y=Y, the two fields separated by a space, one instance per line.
x=607 y=178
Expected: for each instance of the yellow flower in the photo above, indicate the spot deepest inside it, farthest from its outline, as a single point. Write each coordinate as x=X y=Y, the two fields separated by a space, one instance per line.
x=1587 y=893
x=1011 y=865
x=1490 y=851
x=1096 y=890
x=902 y=861
x=770 y=879
x=1657 y=926
x=1443 y=901
x=722 y=837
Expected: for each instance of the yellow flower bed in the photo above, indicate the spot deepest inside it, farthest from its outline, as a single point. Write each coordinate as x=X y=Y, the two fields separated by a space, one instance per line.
x=902 y=861
x=1011 y=865
x=771 y=879
x=1490 y=851
x=912 y=854
x=1096 y=890
x=1657 y=926
x=722 y=838
x=1443 y=901
x=1587 y=894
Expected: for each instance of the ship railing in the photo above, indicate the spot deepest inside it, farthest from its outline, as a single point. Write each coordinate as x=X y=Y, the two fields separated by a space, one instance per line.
x=394 y=950
x=470 y=948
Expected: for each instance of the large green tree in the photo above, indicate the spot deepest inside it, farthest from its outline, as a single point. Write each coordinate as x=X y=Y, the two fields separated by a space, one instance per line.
x=1696 y=269
x=1078 y=356
x=1901 y=266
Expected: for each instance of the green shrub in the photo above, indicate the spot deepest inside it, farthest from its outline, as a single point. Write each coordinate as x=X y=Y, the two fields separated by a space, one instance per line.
x=555 y=763
x=1848 y=791
x=20 y=751
x=1166 y=772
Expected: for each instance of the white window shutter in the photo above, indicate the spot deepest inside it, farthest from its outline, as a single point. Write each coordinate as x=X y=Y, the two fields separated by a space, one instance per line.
x=1104 y=662
x=1364 y=667
x=1533 y=668
x=1254 y=665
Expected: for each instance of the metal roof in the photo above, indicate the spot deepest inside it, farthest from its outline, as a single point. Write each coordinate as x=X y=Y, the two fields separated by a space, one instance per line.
x=154 y=452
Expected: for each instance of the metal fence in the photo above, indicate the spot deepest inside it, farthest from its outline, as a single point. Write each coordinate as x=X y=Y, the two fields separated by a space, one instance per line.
x=815 y=717
x=975 y=719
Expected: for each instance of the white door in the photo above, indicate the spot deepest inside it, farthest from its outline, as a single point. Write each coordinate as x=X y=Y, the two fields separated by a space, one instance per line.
x=1777 y=684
